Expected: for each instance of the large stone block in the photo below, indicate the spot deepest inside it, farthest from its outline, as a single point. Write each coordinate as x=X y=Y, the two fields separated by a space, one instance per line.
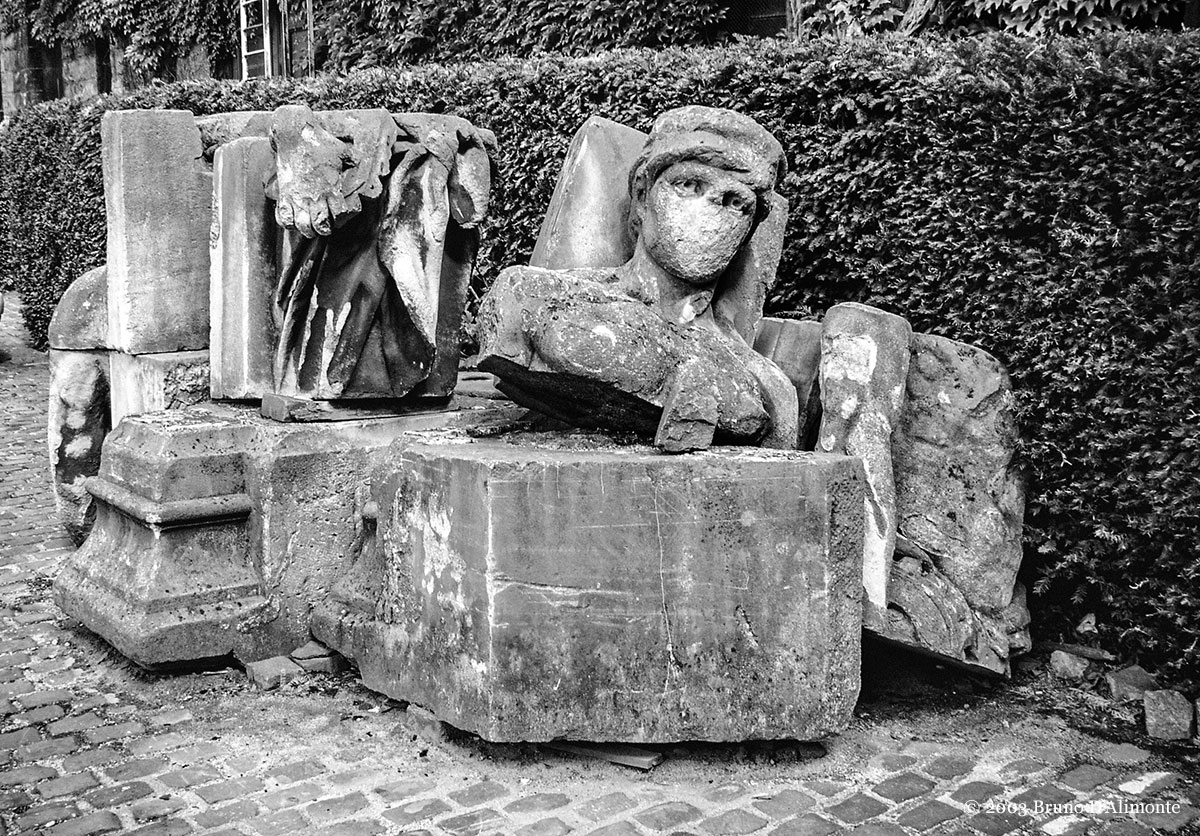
x=158 y=201
x=563 y=587
x=864 y=364
x=77 y=421
x=216 y=529
x=959 y=493
x=243 y=270
x=144 y=383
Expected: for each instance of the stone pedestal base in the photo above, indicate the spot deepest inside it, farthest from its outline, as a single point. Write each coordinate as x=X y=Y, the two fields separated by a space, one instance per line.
x=217 y=529
x=555 y=586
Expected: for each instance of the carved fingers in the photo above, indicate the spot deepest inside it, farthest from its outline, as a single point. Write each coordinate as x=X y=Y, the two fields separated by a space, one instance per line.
x=309 y=166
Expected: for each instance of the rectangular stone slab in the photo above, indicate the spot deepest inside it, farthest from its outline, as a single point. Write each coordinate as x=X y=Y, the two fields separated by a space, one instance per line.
x=535 y=592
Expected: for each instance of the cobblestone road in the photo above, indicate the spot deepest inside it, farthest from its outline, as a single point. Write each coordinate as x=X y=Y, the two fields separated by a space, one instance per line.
x=89 y=744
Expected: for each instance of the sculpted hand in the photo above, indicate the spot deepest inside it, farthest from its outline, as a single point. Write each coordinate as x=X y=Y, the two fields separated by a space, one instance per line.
x=310 y=163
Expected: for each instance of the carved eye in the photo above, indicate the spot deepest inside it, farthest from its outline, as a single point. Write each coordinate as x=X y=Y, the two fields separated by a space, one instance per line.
x=733 y=200
x=689 y=186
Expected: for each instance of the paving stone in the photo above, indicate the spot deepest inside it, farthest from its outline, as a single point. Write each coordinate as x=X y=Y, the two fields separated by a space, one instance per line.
x=400 y=790
x=67 y=785
x=1088 y=776
x=415 y=811
x=169 y=827
x=55 y=747
x=929 y=815
x=998 y=824
x=784 y=804
x=298 y=771
x=281 y=823
x=1044 y=794
x=225 y=790
x=13 y=799
x=541 y=802
x=1126 y=827
x=976 y=792
x=545 y=827
x=724 y=793
x=1170 y=821
x=15 y=689
x=227 y=814
x=621 y=828
x=332 y=809
x=139 y=768
x=119 y=794
x=893 y=761
x=471 y=824
x=198 y=753
x=149 y=809
x=291 y=796
x=480 y=793
x=949 y=766
x=826 y=788
x=1024 y=766
x=73 y=725
x=733 y=822
x=37 y=699
x=189 y=776
x=668 y=815
x=857 y=808
x=101 y=822
x=170 y=718
x=1070 y=825
x=605 y=806
x=18 y=738
x=809 y=824
x=47 y=814
x=903 y=787
x=103 y=734
x=269 y=674
x=1148 y=783
x=26 y=775
x=882 y=828
x=1124 y=754
x=157 y=743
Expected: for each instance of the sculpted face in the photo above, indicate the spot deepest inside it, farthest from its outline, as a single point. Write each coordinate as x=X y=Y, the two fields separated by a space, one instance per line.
x=695 y=219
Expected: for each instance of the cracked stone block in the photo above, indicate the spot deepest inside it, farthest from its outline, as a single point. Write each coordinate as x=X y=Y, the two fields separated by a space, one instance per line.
x=141 y=383
x=565 y=587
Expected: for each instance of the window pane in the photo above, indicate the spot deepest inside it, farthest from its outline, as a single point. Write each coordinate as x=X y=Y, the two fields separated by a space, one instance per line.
x=254 y=39
x=254 y=13
x=254 y=66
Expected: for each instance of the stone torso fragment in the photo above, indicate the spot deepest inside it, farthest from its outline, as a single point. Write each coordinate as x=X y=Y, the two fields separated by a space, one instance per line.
x=380 y=214
x=661 y=343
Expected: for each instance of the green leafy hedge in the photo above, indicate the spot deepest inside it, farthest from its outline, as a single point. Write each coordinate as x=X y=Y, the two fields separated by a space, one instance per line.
x=1040 y=199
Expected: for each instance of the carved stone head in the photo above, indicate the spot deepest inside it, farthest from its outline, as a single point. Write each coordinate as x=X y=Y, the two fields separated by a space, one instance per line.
x=699 y=188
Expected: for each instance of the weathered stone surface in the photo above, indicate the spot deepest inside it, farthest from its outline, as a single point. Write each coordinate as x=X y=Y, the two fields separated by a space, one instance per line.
x=158 y=198
x=559 y=586
x=864 y=364
x=1130 y=683
x=587 y=222
x=377 y=255
x=928 y=613
x=658 y=344
x=1169 y=715
x=1068 y=667
x=77 y=421
x=795 y=346
x=959 y=494
x=217 y=529
x=218 y=129
x=242 y=287
x=80 y=318
x=142 y=383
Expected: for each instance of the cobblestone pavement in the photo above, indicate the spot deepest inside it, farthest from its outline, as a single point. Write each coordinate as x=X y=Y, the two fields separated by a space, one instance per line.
x=89 y=744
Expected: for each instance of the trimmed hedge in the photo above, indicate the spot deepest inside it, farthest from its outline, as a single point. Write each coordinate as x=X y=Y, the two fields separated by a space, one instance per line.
x=1039 y=199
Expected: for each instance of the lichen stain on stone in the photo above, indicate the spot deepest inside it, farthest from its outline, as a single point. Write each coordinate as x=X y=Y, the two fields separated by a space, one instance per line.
x=850 y=357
